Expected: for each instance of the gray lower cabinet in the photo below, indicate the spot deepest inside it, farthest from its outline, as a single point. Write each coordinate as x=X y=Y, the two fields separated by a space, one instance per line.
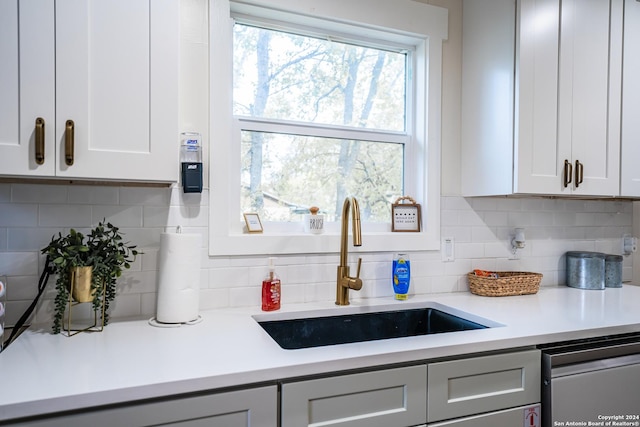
x=255 y=407
x=477 y=385
x=484 y=391
x=389 y=398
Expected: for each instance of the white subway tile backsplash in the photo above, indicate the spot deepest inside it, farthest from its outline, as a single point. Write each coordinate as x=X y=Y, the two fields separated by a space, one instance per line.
x=3 y=239
x=494 y=218
x=120 y=216
x=148 y=304
x=214 y=298
x=471 y=218
x=18 y=263
x=18 y=215
x=31 y=214
x=22 y=239
x=41 y=194
x=459 y=233
x=484 y=234
x=198 y=216
x=455 y=203
x=158 y=216
x=71 y=216
x=93 y=195
x=126 y=305
x=245 y=296
x=21 y=288
x=449 y=218
x=291 y=294
x=229 y=278
x=509 y=204
x=469 y=250
x=481 y=204
x=5 y=193
x=146 y=196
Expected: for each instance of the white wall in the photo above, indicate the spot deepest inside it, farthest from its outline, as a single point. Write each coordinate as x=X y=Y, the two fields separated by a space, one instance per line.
x=31 y=213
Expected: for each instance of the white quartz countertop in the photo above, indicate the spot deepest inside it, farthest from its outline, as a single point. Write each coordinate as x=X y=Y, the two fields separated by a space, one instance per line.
x=42 y=373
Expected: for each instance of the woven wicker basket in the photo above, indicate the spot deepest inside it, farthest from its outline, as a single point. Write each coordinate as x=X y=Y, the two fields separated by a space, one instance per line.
x=507 y=283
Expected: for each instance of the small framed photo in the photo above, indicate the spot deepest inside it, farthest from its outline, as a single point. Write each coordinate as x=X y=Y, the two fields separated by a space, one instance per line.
x=254 y=225
x=405 y=216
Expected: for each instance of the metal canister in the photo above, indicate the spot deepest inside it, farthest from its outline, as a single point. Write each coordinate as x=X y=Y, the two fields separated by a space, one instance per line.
x=585 y=270
x=613 y=271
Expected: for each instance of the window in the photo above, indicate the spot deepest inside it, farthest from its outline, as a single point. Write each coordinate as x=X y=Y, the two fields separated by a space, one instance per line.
x=307 y=92
x=322 y=110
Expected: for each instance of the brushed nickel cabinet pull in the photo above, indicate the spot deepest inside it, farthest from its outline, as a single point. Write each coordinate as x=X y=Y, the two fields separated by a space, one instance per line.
x=39 y=137
x=68 y=142
x=568 y=173
x=579 y=173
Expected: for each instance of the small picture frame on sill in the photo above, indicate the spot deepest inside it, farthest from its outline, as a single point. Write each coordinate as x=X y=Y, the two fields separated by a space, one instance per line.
x=405 y=217
x=254 y=225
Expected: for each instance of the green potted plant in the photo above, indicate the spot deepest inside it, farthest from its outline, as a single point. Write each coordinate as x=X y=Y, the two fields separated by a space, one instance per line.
x=97 y=260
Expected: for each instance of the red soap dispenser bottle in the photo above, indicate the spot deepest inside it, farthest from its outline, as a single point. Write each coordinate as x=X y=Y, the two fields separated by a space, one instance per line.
x=271 y=289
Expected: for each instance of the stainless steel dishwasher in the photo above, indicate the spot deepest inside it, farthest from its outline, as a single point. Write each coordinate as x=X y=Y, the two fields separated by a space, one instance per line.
x=592 y=382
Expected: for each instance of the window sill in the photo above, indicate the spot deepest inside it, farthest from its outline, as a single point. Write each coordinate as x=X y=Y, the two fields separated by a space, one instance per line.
x=289 y=244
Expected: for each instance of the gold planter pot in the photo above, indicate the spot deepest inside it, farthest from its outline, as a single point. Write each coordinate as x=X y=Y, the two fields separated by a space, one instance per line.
x=80 y=291
x=81 y=284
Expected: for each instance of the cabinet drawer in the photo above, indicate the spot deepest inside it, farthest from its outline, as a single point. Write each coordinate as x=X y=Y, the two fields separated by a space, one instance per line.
x=393 y=397
x=482 y=384
x=523 y=415
x=242 y=408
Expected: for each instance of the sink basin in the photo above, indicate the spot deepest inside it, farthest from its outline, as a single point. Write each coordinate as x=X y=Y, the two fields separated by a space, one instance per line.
x=305 y=331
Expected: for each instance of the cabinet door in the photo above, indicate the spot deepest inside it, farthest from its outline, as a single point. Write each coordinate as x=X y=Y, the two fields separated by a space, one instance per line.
x=389 y=398
x=26 y=86
x=590 y=85
x=117 y=79
x=243 y=408
x=539 y=154
x=630 y=174
x=569 y=81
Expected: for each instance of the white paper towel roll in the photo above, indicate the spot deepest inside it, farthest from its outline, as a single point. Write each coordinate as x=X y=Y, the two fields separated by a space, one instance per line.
x=178 y=278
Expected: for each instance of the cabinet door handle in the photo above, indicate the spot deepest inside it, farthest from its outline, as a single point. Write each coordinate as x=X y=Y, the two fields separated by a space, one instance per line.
x=579 y=173
x=39 y=138
x=568 y=172
x=68 y=142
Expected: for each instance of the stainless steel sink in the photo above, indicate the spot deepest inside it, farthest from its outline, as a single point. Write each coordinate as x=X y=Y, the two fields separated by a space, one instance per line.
x=315 y=329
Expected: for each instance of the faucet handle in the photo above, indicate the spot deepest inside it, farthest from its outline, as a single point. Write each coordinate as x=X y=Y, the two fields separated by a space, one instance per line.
x=355 y=283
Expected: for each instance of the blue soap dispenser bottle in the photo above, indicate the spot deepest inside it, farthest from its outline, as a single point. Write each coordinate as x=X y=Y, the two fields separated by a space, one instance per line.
x=401 y=275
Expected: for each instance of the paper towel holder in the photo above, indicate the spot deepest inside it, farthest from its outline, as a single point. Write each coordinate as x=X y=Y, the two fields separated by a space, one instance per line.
x=174 y=252
x=154 y=322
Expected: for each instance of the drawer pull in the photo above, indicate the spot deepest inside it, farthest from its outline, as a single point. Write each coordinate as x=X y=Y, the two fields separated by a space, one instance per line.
x=68 y=142
x=39 y=138
x=568 y=173
x=579 y=173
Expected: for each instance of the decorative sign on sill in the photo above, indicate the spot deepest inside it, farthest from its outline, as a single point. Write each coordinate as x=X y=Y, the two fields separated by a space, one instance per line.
x=252 y=220
x=405 y=216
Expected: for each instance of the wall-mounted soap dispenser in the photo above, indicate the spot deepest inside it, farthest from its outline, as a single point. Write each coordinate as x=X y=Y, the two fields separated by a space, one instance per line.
x=191 y=161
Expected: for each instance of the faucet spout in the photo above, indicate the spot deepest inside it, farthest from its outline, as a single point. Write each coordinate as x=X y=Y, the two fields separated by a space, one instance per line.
x=344 y=281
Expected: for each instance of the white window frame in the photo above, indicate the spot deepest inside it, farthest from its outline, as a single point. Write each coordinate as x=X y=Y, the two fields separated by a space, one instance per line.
x=405 y=22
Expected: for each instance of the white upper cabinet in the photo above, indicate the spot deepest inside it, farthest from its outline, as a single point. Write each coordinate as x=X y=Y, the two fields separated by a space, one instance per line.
x=27 y=88
x=541 y=97
x=104 y=78
x=630 y=174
